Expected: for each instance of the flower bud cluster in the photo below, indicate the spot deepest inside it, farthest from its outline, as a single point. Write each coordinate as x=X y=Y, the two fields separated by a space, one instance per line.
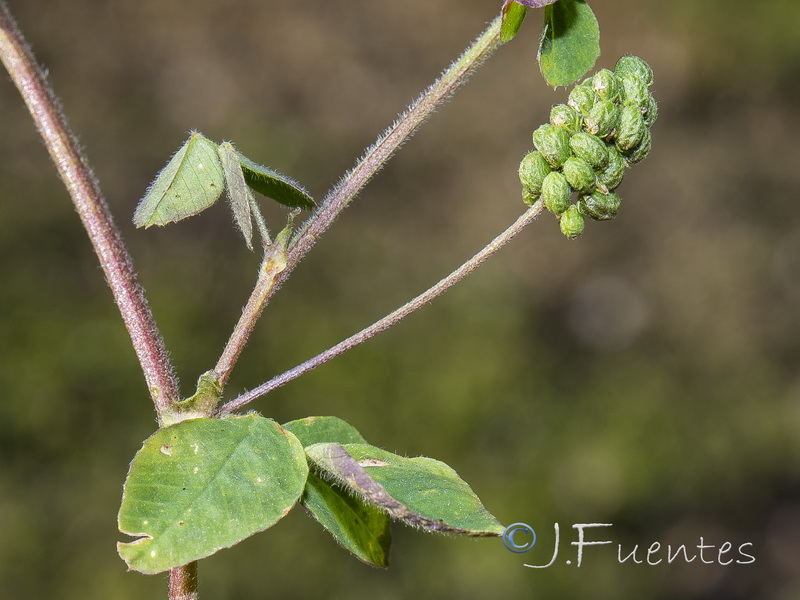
x=589 y=142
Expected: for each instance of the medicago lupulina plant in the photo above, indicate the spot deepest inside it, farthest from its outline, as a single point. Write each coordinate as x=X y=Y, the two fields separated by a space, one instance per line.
x=211 y=477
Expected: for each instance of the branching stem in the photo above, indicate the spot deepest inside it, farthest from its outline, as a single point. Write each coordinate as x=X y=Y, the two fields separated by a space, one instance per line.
x=271 y=266
x=353 y=182
x=392 y=318
x=118 y=267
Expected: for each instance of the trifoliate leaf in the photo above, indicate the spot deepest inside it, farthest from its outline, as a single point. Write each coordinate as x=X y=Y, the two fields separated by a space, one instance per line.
x=360 y=528
x=421 y=492
x=514 y=13
x=190 y=183
x=513 y=16
x=207 y=484
x=314 y=430
x=273 y=185
x=570 y=43
x=238 y=193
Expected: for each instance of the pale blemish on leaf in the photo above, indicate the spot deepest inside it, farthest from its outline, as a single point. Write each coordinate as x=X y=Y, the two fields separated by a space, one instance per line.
x=372 y=462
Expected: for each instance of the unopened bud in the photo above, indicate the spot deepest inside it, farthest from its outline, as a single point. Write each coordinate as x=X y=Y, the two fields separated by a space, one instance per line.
x=572 y=222
x=555 y=193
x=635 y=65
x=553 y=143
x=579 y=174
x=590 y=148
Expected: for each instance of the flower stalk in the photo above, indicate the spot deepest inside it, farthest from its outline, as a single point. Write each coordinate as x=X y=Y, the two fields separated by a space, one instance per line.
x=340 y=196
x=392 y=318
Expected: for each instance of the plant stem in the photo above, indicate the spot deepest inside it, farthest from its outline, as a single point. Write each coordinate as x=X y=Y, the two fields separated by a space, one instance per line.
x=379 y=153
x=392 y=318
x=270 y=268
x=115 y=260
x=85 y=193
x=183 y=582
x=351 y=184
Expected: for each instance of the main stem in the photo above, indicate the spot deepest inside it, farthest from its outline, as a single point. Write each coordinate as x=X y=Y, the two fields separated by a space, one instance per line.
x=115 y=260
x=85 y=193
x=183 y=582
x=353 y=182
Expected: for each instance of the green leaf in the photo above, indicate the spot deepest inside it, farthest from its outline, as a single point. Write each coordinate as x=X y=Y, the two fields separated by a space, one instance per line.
x=313 y=430
x=238 y=193
x=570 y=43
x=206 y=484
x=360 y=528
x=513 y=15
x=190 y=183
x=421 y=492
x=274 y=185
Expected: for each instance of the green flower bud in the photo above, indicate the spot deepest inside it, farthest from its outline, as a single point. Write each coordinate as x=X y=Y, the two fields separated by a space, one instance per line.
x=532 y=171
x=606 y=85
x=553 y=143
x=640 y=152
x=631 y=128
x=565 y=117
x=581 y=98
x=630 y=64
x=528 y=198
x=634 y=91
x=651 y=114
x=600 y=206
x=572 y=222
x=590 y=148
x=611 y=176
x=602 y=119
x=555 y=193
x=579 y=174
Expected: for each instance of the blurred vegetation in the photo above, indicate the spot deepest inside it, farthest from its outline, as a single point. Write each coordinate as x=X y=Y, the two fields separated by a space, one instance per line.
x=645 y=375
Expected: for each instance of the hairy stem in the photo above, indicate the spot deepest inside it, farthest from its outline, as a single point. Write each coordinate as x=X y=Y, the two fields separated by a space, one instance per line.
x=183 y=582
x=379 y=153
x=270 y=268
x=351 y=184
x=85 y=193
x=392 y=318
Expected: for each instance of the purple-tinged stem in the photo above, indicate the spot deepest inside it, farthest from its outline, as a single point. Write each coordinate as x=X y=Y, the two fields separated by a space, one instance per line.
x=85 y=193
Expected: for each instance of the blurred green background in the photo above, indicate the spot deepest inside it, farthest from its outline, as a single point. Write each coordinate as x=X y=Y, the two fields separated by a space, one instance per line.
x=645 y=375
